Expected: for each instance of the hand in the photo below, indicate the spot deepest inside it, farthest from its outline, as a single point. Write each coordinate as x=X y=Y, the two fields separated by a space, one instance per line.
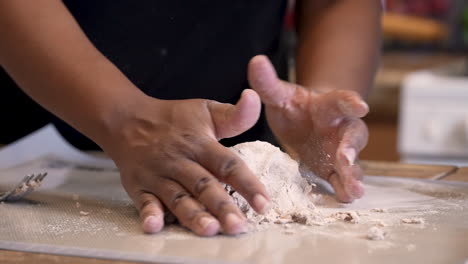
x=168 y=155
x=323 y=130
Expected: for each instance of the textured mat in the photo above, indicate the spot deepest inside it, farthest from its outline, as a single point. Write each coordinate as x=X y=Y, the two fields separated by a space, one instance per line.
x=82 y=210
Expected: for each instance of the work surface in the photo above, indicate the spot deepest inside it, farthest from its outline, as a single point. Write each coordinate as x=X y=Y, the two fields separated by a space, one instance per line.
x=83 y=211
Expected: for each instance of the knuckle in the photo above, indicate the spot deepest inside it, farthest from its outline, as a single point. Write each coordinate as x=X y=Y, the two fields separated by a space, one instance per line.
x=145 y=204
x=175 y=172
x=210 y=105
x=143 y=200
x=228 y=168
x=225 y=205
x=148 y=204
x=190 y=136
x=202 y=185
x=171 y=151
x=177 y=199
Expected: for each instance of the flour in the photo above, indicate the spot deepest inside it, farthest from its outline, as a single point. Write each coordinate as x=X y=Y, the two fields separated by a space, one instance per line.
x=84 y=213
x=411 y=247
x=294 y=200
x=378 y=210
x=414 y=220
x=292 y=196
x=376 y=233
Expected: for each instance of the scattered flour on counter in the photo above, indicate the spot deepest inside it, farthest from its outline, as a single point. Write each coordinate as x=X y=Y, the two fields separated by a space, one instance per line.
x=411 y=247
x=292 y=197
x=415 y=220
x=376 y=233
x=378 y=210
x=295 y=201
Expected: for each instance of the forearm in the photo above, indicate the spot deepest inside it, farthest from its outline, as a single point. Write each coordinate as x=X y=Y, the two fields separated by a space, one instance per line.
x=43 y=49
x=338 y=44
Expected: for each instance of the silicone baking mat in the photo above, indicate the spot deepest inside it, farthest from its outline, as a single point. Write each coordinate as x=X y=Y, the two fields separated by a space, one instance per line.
x=82 y=210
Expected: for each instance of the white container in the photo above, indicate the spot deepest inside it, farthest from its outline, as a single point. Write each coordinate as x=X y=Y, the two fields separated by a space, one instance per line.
x=433 y=125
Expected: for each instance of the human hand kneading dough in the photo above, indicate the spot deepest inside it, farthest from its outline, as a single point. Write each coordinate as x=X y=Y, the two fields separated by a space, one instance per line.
x=170 y=155
x=323 y=130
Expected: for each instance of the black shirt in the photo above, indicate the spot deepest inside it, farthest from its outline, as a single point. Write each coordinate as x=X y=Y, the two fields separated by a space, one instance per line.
x=184 y=49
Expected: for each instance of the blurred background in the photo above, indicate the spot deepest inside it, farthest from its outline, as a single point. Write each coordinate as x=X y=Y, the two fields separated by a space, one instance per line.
x=419 y=104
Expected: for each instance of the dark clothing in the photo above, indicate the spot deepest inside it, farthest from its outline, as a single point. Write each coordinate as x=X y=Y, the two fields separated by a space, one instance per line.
x=184 y=49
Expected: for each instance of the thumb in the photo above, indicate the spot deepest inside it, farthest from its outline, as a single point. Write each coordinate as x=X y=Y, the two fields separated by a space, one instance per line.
x=232 y=120
x=264 y=80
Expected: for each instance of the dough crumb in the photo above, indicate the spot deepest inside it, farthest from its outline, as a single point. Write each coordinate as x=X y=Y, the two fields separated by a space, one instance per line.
x=84 y=213
x=299 y=218
x=378 y=210
x=376 y=233
x=415 y=220
x=351 y=217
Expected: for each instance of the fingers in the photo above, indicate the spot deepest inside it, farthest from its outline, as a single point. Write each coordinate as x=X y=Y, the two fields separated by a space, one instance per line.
x=333 y=107
x=340 y=104
x=209 y=191
x=190 y=212
x=347 y=185
x=151 y=212
x=229 y=120
x=229 y=168
x=354 y=138
x=263 y=79
x=340 y=191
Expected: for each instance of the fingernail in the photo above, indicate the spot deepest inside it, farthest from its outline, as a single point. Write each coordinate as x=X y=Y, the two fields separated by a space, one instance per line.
x=235 y=223
x=261 y=203
x=204 y=222
x=355 y=190
x=152 y=224
x=364 y=105
x=358 y=190
x=350 y=155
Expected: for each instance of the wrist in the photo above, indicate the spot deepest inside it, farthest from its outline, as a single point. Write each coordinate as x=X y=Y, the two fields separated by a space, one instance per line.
x=127 y=122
